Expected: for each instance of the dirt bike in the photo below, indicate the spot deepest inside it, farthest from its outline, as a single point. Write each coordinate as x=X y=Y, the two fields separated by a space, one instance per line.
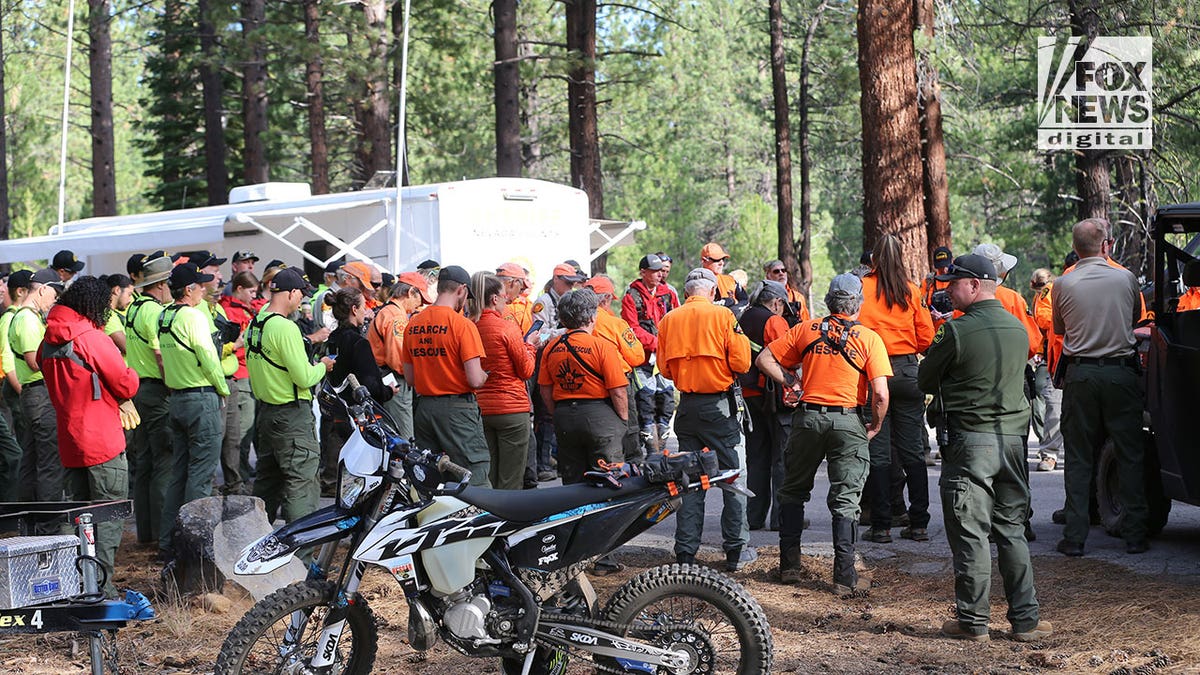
x=493 y=573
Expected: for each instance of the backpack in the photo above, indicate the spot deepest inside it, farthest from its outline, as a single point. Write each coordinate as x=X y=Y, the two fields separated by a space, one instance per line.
x=66 y=351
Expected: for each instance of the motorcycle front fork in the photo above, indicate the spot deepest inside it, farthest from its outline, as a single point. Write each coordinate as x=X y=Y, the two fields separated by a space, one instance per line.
x=335 y=622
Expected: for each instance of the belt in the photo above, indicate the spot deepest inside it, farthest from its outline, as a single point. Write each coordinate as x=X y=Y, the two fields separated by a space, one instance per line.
x=814 y=407
x=465 y=397
x=1130 y=361
x=902 y=357
x=35 y=383
x=195 y=390
x=696 y=393
x=581 y=401
x=151 y=379
x=290 y=404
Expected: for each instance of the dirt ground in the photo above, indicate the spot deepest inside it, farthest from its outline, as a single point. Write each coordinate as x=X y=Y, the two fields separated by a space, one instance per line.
x=1107 y=620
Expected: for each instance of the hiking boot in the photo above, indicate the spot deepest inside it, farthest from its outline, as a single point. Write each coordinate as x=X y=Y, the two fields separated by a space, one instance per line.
x=1070 y=548
x=685 y=558
x=878 y=536
x=1048 y=463
x=914 y=533
x=790 y=568
x=901 y=520
x=862 y=587
x=606 y=566
x=545 y=476
x=952 y=629
x=737 y=558
x=1043 y=629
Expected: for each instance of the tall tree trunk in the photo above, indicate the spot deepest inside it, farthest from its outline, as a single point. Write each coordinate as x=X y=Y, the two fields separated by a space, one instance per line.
x=216 y=173
x=785 y=223
x=804 y=248
x=1091 y=166
x=934 y=185
x=104 y=183
x=5 y=212
x=892 y=175
x=581 y=94
x=1131 y=229
x=375 y=144
x=254 y=92
x=314 y=76
x=507 y=89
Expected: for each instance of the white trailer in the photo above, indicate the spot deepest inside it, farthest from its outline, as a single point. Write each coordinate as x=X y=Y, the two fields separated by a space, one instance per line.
x=477 y=224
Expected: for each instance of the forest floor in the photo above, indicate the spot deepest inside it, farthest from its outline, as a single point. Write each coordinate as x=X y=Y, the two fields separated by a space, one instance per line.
x=1107 y=620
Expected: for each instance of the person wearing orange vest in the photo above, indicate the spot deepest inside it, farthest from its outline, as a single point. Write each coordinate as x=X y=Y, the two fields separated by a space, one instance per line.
x=892 y=308
x=729 y=292
x=519 y=308
x=842 y=362
x=1190 y=300
x=702 y=349
x=796 y=309
x=612 y=328
x=1049 y=400
x=385 y=334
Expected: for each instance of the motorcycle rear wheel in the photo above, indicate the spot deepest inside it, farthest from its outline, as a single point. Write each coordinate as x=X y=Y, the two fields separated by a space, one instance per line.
x=254 y=644
x=702 y=611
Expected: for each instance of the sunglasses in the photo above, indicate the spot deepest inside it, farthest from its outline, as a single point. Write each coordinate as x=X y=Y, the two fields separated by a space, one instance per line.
x=715 y=260
x=963 y=272
x=664 y=257
x=779 y=271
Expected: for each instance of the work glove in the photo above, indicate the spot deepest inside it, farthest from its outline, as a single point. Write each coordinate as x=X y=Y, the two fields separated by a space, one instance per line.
x=129 y=415
x=611 y=475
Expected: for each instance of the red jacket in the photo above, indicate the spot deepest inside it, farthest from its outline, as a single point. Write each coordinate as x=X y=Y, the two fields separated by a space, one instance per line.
x=508 y=359
x=89 y=430
x=644 y=311
x=240 y=314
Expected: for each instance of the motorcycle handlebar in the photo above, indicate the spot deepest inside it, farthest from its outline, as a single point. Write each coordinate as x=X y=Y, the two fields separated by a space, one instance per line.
x=447 y=467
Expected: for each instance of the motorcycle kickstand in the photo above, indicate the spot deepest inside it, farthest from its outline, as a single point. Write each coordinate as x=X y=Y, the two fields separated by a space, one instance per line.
x=525 y=670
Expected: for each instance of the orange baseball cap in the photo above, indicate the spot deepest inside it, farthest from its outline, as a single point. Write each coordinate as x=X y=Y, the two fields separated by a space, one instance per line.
x=514 y=271
x=419 y=282
x=568 y=272
x=361 y=271
x=713 y=251
x=601 y=285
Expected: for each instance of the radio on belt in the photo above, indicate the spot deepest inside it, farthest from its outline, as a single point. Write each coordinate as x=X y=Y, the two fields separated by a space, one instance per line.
x=34 y=570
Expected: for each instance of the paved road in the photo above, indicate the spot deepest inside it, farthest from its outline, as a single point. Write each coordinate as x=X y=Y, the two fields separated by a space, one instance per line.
x=1175 y=552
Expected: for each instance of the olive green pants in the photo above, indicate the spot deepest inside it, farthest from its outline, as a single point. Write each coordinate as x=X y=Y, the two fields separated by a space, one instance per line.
x=985 y=491
x=197 y=427
x=453 y=425
x=839 y=437
x=508 y=443
x=1103 y=402
x=10 y=461
x=102 y=482
x=41 y=468
x=288 y=460
x=149 y=456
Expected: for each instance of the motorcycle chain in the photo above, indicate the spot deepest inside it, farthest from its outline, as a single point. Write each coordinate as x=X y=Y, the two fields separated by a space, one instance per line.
x=613 y=627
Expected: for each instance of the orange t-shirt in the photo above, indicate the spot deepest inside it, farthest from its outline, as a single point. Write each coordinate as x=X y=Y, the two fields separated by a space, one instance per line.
x=386 y=336
x=797 y=298
x=437 y=342
x=1189 y=301
x=520 y=311
x=701 y=347
x=903 y=331
x=1014 y=304
x=612 y=328
x=827 y=379
x=569 y=379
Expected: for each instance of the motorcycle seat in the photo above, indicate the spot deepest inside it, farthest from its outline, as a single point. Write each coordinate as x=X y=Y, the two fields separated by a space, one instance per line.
x=529 y=506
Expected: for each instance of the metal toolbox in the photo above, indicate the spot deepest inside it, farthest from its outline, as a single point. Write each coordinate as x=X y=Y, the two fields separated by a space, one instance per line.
x=34 y=570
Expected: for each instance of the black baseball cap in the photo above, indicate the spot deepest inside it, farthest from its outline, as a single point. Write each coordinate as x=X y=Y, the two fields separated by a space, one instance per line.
x=66 y=260
x=161 y=254
x=239 y=256
x=334 y=266
x=20 y=279
x=204 y=259
x=275 y=263
x=969 y=266
x=186 y=274
x=134 y=264
x=290 y=279
x=650 y=262
x=429 y=265
x=942 y=256
x=458 y=275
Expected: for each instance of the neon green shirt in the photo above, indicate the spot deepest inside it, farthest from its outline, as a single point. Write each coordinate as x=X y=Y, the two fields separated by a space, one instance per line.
x=189 y=356
x=115 y=323
x=229 y=362
x=280 y=371
x=7 y=361
x=141 y=336
x=25 y=335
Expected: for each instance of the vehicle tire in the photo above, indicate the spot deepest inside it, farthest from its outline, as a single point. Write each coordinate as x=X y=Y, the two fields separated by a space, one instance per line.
x=1108 y=490
x=253 y=644
x=654 y=595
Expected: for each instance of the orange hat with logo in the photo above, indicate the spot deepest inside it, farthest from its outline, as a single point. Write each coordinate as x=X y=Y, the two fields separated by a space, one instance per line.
x=568 y=272
x=514 y=271
x=713 y=251
x=361 y=271
x=419 y=282
x=601 y=285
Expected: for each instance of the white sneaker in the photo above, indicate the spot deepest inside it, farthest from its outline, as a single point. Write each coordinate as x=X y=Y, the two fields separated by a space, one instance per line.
x=1047 y=464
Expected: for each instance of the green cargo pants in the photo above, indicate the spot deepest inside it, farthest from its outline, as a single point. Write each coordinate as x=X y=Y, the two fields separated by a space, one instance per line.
x=985 y=491
x=453 y=425
x=102 y=482
x=149 y=455
x=10 y=461
x=41 y=468
x=838 y=436
x=197 y=427
x=288 y=460
x=507 y=438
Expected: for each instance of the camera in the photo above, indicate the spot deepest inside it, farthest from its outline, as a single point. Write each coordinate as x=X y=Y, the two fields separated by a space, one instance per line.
x=941 y=302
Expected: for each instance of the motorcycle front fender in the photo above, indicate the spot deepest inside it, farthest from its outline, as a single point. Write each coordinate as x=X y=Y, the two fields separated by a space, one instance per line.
x=274 y=550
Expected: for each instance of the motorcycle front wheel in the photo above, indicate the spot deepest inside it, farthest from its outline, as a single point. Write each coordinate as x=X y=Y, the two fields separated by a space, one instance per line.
x=259 y=643
x=698 y=610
